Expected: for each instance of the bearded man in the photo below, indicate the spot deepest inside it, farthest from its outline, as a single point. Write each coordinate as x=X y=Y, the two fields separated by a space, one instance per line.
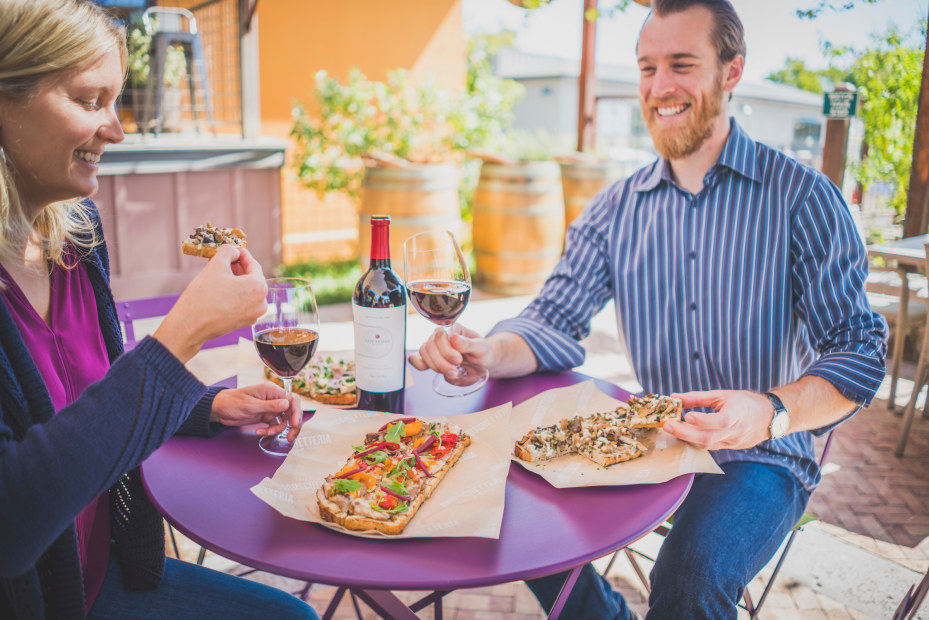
x=738 y=280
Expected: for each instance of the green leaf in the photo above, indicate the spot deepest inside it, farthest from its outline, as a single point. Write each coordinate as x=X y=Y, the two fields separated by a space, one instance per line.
x=344 y=485
x=395 y=432
x=376 y=457
x=394 y=486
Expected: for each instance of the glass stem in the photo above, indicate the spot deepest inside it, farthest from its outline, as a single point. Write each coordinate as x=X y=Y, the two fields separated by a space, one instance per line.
x=288 y=387
x=448 y=333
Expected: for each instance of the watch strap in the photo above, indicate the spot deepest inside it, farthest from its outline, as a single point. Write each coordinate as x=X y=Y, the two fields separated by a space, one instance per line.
x=777 y=402
x=775 y=429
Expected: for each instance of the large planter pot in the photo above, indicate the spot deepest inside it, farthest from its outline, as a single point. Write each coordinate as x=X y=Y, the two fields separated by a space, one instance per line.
x=518 y=226
x=581 y=181
x=417 y=198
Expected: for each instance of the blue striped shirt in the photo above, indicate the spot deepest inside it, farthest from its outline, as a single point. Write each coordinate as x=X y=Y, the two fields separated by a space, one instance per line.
x=749 y=284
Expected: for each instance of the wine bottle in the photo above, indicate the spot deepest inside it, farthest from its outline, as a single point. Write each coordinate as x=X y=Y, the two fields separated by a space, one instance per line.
x=379 y=312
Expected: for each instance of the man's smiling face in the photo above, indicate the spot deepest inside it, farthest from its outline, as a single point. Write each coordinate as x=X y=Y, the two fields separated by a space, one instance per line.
x=681 y=83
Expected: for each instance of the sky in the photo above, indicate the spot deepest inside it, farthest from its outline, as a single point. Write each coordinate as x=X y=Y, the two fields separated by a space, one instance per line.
x=772 y=30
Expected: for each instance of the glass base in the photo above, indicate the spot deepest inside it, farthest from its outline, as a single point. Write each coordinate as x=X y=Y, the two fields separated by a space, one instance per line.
x=276 y=445
x=468 y=381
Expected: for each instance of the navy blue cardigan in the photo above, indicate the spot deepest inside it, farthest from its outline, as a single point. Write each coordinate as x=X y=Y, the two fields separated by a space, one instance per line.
x=52 y=466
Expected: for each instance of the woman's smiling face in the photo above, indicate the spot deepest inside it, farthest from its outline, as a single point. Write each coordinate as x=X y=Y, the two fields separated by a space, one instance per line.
x=55 y=137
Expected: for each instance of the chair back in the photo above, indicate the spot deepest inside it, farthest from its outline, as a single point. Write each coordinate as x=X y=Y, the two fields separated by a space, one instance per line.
x=152 y=307
x=168 y=20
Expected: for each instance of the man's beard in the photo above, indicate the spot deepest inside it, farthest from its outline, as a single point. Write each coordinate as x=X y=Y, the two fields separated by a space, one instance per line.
x=679 y=142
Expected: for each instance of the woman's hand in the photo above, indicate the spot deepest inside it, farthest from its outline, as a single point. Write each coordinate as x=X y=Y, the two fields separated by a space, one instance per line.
x=740 y=420
x=443 y=354
x=255 y=404
x=228 y=294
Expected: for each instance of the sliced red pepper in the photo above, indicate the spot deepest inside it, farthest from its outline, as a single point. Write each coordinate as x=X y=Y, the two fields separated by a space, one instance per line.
x=449 y=439
x=388 y=502
x=440 y=452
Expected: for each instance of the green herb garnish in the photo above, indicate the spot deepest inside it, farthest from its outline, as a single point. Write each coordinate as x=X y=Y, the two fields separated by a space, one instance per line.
x=344 y=485
x=394 y=486
x=395 y=433
x=376 y=457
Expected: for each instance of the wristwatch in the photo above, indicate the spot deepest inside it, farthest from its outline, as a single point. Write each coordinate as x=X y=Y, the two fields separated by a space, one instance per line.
x=781 y=419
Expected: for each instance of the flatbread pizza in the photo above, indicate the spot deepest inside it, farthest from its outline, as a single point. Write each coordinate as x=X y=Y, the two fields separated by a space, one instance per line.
x=606 y=438
x=388 y=477
x=327 y=380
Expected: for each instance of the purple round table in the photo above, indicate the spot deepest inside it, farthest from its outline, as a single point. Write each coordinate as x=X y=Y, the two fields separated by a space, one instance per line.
x=201 y=486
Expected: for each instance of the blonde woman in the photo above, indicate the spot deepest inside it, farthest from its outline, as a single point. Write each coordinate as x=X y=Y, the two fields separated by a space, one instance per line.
x=78 y=537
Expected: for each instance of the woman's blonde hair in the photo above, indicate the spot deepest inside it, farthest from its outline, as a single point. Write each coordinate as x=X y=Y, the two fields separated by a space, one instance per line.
x=42 y=39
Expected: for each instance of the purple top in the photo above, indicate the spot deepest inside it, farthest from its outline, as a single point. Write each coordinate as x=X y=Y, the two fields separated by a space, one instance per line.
x=70 y=354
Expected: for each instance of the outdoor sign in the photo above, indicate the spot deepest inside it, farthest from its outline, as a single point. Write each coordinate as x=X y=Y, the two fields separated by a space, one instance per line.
x=840 y=104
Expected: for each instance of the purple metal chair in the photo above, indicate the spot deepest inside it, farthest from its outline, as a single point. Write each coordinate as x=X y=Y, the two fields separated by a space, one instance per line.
x=153 y=307
x=747 y=603
x=912 y=600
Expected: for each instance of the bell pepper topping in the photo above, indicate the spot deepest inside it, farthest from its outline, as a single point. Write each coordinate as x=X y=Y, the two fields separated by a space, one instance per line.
x=413 y=428
x=449 y=439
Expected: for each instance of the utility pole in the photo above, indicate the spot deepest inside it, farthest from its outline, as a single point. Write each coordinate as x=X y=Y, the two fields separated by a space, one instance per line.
x=586 y=99
x=917 y=201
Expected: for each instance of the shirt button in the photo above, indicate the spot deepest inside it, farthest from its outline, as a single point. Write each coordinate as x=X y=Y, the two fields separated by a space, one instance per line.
x=696 y=356
x=692 y=254
x=693 y=305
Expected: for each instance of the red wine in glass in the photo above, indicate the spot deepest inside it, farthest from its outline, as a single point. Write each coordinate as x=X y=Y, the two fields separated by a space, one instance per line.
x=439 y=286
x=286 y=337
x=440 y=301
x=287 y=350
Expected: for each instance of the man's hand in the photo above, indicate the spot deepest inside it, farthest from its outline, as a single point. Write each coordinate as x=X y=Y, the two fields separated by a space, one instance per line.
x=741 y=420
x=263 y=403
x=443 y=355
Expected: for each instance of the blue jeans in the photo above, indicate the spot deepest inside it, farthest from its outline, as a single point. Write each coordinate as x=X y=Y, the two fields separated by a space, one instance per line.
x=193 y=592
x=726 y=530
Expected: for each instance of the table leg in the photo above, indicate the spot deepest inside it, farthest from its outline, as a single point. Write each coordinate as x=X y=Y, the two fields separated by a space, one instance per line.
x=565 y=592
x=334 y=603
x=386 y=604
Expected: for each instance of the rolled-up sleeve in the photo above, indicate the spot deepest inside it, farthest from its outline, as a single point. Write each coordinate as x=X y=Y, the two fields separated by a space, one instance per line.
x=829 y=273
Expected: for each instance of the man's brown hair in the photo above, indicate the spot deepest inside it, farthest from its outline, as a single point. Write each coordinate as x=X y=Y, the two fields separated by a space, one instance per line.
x=728 y=35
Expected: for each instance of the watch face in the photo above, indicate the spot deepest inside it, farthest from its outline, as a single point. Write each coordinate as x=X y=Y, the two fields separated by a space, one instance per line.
x=779 y=425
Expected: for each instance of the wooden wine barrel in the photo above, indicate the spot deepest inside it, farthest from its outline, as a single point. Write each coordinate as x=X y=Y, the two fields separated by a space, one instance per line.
x=581 y=181
x=420 y=197
x=518 y=227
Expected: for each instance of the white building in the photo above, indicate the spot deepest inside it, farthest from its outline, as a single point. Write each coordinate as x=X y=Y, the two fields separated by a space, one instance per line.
x=784 y=117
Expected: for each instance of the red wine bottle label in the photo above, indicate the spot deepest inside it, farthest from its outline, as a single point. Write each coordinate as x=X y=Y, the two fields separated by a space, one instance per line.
x=380 y=353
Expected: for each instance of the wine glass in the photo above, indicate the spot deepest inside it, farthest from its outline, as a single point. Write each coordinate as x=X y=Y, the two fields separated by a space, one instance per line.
x=439 y=286
x=286 y=337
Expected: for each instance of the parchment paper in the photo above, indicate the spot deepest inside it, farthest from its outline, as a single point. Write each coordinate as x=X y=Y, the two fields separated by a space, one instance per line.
x=667 y=457
x=468 y=501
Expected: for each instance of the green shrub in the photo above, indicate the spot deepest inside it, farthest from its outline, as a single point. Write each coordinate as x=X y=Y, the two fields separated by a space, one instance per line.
x=333 y=282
